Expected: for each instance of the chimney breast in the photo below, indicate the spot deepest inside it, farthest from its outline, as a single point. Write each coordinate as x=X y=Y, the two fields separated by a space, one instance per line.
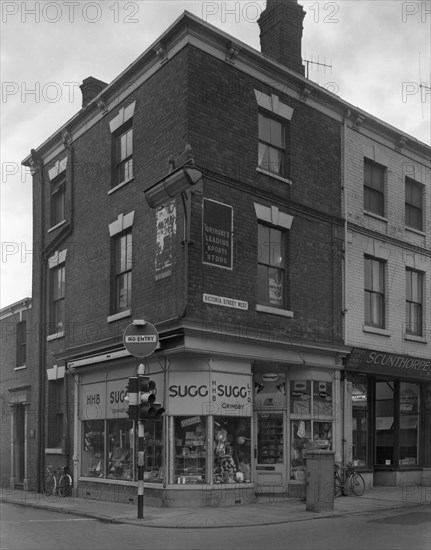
x=281 y=25
x=90 y=88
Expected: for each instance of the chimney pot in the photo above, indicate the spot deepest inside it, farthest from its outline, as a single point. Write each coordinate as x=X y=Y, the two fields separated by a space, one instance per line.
x=90 y=88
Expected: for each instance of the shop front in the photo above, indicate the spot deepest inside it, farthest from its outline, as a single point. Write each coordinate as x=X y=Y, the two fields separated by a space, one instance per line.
x=388 y=416
x=198 y=453
x=294 y=411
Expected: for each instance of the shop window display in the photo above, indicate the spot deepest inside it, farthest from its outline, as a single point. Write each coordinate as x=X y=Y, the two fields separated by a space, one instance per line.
x=311 y=424
x=190 y=450
x=120 y=445
x=360 y=420
x=232 y=450
x=93 y=448
x=153 y=458
x=270 y=438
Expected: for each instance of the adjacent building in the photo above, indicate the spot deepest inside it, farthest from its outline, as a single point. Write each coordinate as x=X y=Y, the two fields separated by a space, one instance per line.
x=210 y=190
x=19 y=397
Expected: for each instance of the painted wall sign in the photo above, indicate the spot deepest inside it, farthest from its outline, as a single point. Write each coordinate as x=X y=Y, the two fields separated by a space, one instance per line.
x=381 y=362
x=224 y=302
x=203 y=393
x=217 y=236
x=166 y=228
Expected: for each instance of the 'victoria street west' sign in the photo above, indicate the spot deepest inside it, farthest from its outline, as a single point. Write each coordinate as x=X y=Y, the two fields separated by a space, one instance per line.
x=217 y=234
x=141 y=338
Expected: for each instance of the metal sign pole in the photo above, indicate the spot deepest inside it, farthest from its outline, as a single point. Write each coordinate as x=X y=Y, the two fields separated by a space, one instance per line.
x=140 y=469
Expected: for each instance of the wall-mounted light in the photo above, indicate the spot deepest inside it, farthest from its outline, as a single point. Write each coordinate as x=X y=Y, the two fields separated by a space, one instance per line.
x=172 y=185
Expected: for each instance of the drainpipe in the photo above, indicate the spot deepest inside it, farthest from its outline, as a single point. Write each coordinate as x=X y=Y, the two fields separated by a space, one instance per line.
x=37 y=164
x=345 y=401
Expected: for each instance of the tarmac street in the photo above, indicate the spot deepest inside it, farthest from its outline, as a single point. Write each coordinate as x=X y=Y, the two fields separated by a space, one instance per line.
x=33 y=528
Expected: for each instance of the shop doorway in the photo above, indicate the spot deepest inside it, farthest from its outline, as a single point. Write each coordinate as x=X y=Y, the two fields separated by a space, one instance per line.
x=270 y=452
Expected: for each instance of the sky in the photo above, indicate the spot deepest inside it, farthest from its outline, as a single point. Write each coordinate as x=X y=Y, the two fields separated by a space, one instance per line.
x=378 y=50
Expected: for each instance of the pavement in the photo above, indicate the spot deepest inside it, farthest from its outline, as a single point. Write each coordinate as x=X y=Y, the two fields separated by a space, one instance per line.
x=266 y=510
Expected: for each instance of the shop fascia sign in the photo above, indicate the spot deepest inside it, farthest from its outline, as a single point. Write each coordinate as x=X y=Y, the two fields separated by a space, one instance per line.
x=209 y=393
x=377 y=362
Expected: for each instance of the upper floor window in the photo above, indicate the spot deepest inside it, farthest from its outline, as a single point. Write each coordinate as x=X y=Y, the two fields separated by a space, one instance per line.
x=122 y=273
x=271 y=266
x=123 y=159
x=57 y=202
x=414 y=204
x=272 y=145
x=374 y=292
x=414 y=301
x=374 y=187
x=57 y=299
x=21 y=343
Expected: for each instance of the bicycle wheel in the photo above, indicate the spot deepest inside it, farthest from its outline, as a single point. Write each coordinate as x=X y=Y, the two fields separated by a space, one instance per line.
x=49 y=486
x=338 y=486
x=357 y=484
x=65 y=486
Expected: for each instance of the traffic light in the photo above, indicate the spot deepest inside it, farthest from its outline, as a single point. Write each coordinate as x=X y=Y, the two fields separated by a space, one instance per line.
x=132 y=398
x=148 y=409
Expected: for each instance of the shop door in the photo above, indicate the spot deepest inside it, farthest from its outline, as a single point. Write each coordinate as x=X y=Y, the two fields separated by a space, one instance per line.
x=270 y=455
x=19 y=437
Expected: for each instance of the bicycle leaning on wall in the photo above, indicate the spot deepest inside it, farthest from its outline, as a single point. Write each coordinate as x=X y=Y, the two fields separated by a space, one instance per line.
x=57 y=481
x=347 y=478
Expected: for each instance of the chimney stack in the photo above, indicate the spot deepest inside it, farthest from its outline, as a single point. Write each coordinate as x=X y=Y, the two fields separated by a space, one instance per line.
x=90 y=88
x=281 y=25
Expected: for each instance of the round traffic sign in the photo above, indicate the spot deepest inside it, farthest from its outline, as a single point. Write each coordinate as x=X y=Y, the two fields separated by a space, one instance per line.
x=141 y=338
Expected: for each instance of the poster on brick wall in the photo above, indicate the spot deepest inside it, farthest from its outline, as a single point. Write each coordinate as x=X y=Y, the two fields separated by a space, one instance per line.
x=217 y=237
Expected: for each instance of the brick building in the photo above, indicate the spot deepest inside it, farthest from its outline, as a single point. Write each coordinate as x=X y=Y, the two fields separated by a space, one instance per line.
x=387 y=315
x=19 y=397
x=200 y=191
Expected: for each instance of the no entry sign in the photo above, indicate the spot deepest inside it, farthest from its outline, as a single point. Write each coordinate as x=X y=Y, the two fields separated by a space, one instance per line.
x=141 y=338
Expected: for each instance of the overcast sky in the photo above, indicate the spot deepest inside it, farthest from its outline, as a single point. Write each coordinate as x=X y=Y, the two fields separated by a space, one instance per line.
x=379 y=51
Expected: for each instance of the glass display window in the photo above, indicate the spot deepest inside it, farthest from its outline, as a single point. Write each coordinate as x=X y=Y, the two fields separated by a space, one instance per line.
x=409 y=423
x=153 y=456
x=190 y=449
x=300 y=397
x=93 y=448
x=322 y=399
x=120 y=447
x=360 y=428
x=232 y=450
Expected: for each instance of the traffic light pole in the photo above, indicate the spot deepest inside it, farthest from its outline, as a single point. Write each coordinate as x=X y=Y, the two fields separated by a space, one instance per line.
x=141 y=451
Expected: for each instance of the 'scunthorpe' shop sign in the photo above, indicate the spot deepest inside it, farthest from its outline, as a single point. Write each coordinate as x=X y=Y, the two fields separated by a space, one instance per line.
x=217 y=234
x=381 y=362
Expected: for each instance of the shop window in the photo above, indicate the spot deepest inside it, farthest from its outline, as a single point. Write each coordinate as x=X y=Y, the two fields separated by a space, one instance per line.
x=409 y=423
x=374 y=185
x=93 y=448
x=374 y=292
x=384 y=423
x=414 y=204
x=311 y=410
x=232 y=450
x=414 y=301
x=271 y=266
x=153 y=457
x=190 y=450
x=360 y=421
x=120 y=447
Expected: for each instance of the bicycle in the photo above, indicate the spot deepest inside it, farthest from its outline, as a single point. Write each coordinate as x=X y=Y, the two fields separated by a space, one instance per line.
x=348 y=477
x=57 y=481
